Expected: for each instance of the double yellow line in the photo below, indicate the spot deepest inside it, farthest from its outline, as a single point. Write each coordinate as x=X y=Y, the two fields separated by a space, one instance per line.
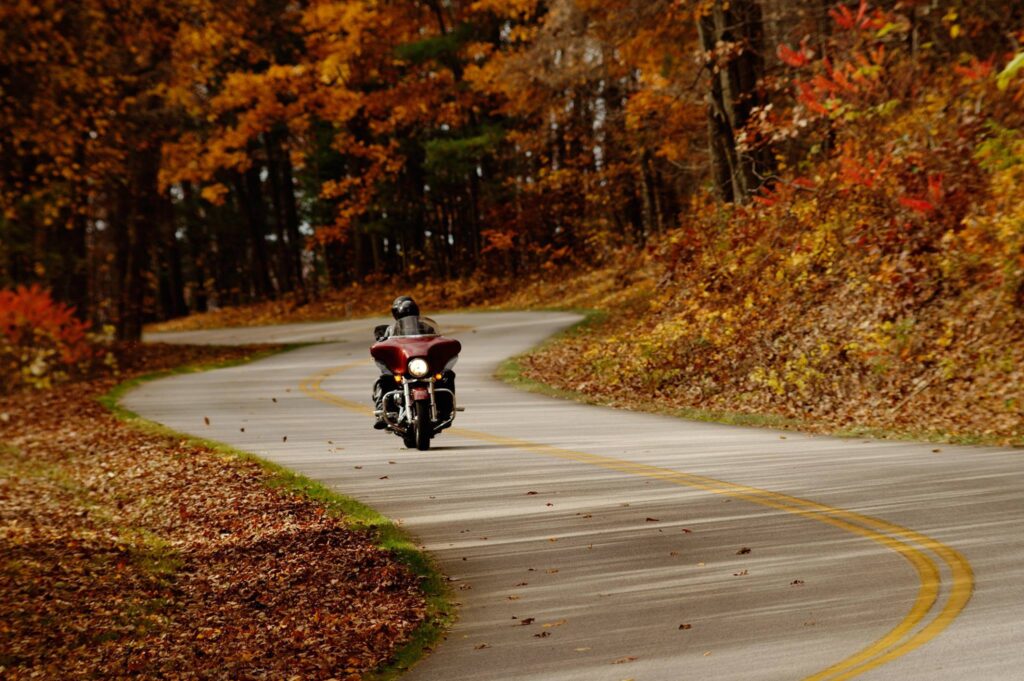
x=926 y=619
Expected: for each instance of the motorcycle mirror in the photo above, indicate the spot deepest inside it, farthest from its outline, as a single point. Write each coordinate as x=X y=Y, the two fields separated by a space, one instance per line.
x=379 y=331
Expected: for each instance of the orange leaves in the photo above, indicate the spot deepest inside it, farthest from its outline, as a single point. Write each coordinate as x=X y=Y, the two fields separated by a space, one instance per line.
x=498 y=240
x=215 y=193
x=854 y=173
x=510 y=9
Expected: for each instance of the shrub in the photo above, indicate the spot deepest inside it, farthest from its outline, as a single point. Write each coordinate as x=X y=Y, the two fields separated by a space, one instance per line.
x=41 y=342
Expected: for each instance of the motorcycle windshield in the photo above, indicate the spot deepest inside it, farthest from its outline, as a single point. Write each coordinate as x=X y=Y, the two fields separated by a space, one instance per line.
x=416 y=326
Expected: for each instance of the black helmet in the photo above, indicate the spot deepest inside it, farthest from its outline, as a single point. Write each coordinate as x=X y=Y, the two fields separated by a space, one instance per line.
x=404 y=306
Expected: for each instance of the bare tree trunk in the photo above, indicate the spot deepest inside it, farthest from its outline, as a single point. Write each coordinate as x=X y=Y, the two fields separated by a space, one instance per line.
x=296 y=243
x=734 y=92
x=251 y=197
x=282 y=261
x=172 y=281
x=138 y=205
x=198 y=242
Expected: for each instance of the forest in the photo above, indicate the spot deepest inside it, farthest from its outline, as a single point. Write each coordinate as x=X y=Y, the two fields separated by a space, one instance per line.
x=163 y=158
x=787 y=205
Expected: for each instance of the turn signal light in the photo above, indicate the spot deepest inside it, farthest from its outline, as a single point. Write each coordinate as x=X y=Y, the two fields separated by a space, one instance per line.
x=398 y=378
x=437 y=377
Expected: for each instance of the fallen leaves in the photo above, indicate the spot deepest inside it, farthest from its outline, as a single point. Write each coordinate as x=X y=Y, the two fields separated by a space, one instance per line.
x=129 y=554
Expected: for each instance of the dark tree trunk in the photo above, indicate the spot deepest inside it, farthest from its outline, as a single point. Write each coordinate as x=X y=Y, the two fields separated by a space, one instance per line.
x=138 y=205
x=250 y=196
x=283 y=260
x=198 y=248
x=734 y=93
x=75 y=250
x=296 y=243
x=172 y=280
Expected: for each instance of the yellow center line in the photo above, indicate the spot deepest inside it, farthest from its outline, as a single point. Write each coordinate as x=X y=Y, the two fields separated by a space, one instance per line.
x=900 y=640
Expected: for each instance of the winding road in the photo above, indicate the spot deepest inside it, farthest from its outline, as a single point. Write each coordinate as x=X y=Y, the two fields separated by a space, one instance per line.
x=594 y=544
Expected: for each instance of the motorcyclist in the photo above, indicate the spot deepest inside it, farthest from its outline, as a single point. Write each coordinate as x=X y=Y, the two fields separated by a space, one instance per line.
x=408 y=322
x=407 y=319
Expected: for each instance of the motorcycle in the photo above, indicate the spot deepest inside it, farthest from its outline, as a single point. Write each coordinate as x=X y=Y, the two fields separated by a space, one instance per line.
x=417 y=381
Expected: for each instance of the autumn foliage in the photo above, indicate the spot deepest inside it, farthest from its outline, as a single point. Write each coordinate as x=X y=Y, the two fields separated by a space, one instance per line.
x=832 y=182
x=877 y=282
x=41 y=341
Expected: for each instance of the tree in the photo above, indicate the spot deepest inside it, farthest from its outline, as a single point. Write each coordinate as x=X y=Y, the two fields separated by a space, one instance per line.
x=732 y=37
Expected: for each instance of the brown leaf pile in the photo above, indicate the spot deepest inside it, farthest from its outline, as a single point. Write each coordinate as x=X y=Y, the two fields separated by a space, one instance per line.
x=129 y=554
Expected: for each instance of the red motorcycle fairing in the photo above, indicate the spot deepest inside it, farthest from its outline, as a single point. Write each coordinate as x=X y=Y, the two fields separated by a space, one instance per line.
x=395 y=353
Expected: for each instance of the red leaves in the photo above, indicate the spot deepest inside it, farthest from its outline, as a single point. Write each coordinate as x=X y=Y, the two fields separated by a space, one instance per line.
x=30 y=311
x=846 y=19
x=792 y=57
x=40 y=340
x=919 y=205
x=923 y=205
x=976 y=69
x=807 y=96
x=854 y=173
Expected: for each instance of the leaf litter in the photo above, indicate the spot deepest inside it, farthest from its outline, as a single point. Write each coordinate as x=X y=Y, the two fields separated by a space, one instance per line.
x=134 y=554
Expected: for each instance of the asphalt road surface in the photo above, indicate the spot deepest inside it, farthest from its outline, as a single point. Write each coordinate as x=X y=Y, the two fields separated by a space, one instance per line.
x=593 y=544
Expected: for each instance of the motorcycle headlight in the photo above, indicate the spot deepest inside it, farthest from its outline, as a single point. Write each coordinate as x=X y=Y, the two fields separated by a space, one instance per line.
x=418 y=368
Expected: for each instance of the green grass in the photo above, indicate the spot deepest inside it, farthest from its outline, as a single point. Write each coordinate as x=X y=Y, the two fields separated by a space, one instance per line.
x=387 y=535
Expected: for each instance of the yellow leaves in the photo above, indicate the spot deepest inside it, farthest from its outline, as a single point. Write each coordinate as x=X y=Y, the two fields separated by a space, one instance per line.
x=1010 y=72
x=333 y=68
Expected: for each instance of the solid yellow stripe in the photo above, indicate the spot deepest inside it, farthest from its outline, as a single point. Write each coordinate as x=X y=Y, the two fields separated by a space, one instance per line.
x=881 y=651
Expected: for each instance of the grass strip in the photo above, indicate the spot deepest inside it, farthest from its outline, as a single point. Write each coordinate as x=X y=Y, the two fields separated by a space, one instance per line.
x=440 y=607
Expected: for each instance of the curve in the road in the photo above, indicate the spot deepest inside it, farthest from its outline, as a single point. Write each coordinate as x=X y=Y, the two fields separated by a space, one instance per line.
x=918 y=549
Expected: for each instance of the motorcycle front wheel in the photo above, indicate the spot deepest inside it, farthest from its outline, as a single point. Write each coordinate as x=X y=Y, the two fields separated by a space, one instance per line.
x=421 y=427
